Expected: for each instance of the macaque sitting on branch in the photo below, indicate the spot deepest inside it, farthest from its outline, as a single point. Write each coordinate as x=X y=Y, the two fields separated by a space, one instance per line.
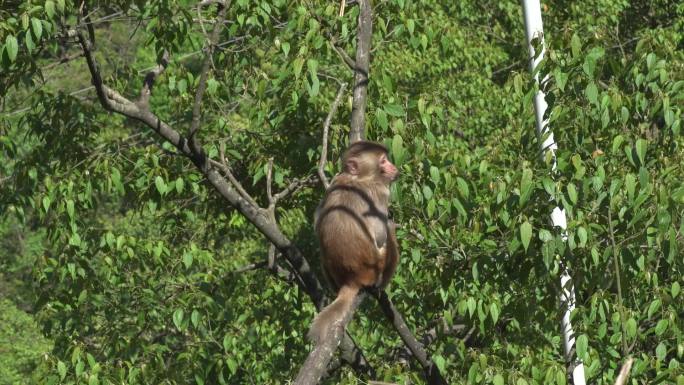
x=358 y=241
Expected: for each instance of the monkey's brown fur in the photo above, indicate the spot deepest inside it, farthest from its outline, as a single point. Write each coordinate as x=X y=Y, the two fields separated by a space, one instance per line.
x=358 y=241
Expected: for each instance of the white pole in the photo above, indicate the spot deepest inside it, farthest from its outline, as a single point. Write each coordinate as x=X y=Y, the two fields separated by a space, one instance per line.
x=535 y=29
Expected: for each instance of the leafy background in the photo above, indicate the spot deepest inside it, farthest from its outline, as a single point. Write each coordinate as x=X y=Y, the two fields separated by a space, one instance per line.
x=119 y=263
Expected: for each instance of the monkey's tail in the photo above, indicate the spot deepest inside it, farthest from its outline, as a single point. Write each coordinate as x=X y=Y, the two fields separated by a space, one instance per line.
x=337 y=314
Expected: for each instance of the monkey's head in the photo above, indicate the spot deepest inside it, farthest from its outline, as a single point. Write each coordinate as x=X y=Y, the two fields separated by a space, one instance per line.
x=368 y=160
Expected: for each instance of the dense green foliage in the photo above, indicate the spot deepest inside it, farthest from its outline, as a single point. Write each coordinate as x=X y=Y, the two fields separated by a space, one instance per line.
x=135 y=270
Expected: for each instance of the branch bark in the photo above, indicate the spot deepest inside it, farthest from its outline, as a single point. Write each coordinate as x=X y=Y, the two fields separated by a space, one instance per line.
x=316 y=364
x=361 y=71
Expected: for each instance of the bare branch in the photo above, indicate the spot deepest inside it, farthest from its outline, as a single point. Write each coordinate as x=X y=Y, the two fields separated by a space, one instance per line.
x=343 y=3
x=344 y=56
x=251 y=266
x=361 y=71
x=204 y=73
x=205 y=3
x=234 y=182
x=295 y=185
x=269 y=175
x=433 y=376
x=316 y=364
x=326 y=128
x=624 y=372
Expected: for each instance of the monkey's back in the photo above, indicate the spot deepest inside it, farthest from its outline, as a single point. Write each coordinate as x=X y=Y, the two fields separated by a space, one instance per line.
x=350 y=255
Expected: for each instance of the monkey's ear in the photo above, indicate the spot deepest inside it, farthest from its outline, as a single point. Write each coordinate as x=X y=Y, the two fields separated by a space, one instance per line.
x=352 y=166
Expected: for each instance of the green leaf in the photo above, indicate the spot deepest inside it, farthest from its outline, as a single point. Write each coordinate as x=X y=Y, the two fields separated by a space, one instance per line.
x=212 y=86
x=70 y=208
x=161 y=185
x=398 y=149
x=572 y=193
x=394 y=110
x=653 y=307
x=462 y=186
x=187 y=259
x=434 y=175
x=178 y=318
x=641 y=146
x=661 y=351
x=575 y=45
x=498 y=380
x=381 y=118
x=179 y=184
x=11 y=47
x=37 y=28
x=525 y=234
x=61 y=369
x=50 y=8
x=195 y=317
x=631 y=328
x=232 y=365
x=427 y=192
x=592 y=93
x=472 y=306
x=46 y=203
x=582 y=345
x=525 y=186
x=440 y=362
x=661 y=327
x=675 y=290
x=494 y=311
x=582 y=235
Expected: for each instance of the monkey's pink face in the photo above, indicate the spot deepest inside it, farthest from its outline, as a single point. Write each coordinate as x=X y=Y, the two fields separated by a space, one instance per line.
x=387 y=169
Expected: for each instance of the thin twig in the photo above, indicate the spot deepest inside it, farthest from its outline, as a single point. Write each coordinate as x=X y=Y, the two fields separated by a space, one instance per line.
x=616 y=265
x=251 y=266
x=326 y=128
x=344 y=56
x=204 y=73
x=294 y=186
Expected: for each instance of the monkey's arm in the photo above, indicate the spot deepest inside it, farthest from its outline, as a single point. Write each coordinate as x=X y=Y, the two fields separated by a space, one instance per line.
x=392 y=254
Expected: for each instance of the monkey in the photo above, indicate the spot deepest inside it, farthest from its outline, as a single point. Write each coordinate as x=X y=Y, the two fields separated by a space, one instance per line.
x=357 y=239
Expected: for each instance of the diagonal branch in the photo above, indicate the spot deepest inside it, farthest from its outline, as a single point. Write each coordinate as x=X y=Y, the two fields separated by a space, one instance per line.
x=202 y=86
x=361 y=70
x=326 y=128
x=316 y=363
x=434 y=377
x=343 y=55
x=307 y=280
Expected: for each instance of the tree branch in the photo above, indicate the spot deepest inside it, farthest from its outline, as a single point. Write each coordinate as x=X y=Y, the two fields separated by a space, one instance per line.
x=316 y=364
x=326 y=128
x=434 y=377
x=202 y=86
x=344 y=56
x=361 y=71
